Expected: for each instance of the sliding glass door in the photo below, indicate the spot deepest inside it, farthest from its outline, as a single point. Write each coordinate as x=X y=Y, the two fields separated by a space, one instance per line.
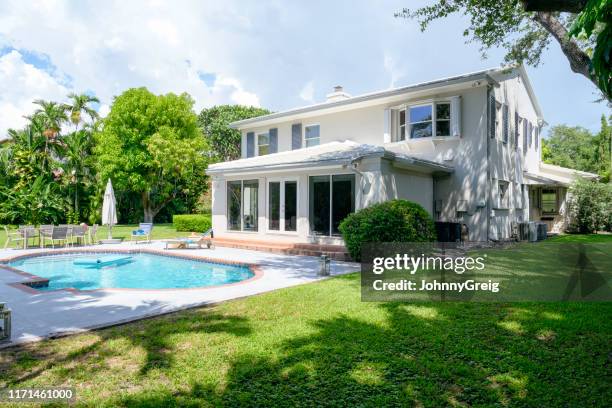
x=282 y=205
x=242 y=205
x=331 y=200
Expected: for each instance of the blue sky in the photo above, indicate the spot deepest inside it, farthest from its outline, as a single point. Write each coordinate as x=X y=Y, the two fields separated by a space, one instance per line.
x=276 y=54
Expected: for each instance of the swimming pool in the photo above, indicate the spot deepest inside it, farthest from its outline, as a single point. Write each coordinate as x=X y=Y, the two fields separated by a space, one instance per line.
x=139 y=271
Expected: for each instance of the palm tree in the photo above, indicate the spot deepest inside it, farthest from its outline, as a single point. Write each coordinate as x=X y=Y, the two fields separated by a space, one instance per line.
x=79 y=105
x=52 y=116
x=76 y=153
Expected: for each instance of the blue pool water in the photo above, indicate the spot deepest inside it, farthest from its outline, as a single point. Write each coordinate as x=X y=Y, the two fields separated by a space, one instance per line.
x=142 y=271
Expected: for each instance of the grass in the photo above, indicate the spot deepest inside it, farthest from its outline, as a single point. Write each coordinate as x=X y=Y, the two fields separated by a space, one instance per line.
x=160 y=231
x=319 y=345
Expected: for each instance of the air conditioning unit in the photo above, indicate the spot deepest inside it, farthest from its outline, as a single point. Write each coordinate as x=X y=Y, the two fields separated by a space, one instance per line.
x=541 y=231
x=533 y=231
x=523 y=231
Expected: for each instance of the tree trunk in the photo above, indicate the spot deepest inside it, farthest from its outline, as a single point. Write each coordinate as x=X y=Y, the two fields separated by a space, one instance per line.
x=147 y=207
x=149 y=210
x=579 y=61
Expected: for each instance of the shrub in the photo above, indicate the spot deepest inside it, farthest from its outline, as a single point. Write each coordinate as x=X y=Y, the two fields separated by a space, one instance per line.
x=589 y=207
x=192 y=222
x=391 y=221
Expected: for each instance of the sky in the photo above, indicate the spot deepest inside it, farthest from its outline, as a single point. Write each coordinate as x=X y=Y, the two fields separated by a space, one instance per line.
x=270 y=53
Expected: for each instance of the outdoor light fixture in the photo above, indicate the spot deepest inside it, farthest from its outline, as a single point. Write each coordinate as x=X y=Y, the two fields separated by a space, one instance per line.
x=5 y=318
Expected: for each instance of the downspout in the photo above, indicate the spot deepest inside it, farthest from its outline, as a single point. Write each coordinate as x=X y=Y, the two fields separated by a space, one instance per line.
x=488 y=137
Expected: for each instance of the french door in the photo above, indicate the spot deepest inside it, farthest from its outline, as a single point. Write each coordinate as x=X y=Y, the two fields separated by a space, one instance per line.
x=282 y=205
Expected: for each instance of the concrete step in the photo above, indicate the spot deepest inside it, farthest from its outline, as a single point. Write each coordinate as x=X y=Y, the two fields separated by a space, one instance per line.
x=335 y=252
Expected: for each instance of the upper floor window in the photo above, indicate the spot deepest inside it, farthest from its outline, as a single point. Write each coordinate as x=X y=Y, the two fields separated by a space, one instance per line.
x=312 y=135
x=402 y=124
x=425 y=120
x=263 y=144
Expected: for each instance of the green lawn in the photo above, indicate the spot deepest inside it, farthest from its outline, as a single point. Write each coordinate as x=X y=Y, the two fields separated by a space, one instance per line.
x=160 y=231
x=319 y=345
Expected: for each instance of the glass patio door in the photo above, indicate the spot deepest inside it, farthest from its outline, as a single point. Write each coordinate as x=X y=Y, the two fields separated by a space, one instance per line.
x=282 y=205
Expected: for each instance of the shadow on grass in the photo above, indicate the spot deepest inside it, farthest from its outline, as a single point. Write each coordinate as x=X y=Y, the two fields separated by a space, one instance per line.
x=422 y=355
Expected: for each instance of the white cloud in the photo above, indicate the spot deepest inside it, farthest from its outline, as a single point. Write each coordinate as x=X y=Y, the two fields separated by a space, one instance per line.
x=307 y=92
x=22 y=83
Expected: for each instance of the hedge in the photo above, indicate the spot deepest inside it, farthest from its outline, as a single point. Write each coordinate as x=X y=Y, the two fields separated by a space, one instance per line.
x=391 y=221
x=192 y=222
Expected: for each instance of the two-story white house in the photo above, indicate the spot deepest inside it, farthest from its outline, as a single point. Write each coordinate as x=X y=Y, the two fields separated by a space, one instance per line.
x=467 y=148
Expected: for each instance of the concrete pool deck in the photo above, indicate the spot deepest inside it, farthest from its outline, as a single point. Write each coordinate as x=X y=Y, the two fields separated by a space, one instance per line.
x=37 y=315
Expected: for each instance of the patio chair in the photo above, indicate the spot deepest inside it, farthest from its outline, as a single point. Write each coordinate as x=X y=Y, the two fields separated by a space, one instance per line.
x=92 y=234
x=193 y=242
x=143 y=232
x=12 y=236
x=28 y=232
x=78 y=232
x=44 y=231
x=58 y=234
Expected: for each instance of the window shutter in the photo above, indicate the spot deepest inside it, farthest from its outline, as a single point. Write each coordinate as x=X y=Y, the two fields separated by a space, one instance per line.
x=492 y=113
x=524 y=135
x=296 y=136
x=505 y=122
x=456 y=116
x=387 y=126
x=537 y=137
x=250 y=144
x=530 y=133
x=516 y=130
x=273 y=140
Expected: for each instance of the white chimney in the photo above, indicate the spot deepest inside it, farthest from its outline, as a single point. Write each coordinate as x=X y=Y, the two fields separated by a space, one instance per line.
x=337 y=95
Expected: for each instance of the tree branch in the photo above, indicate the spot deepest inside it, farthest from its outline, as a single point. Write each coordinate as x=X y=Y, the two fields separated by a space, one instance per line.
x=570 y=6
x=579 y=61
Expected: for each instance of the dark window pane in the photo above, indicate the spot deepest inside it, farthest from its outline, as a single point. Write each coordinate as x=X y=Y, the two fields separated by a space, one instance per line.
x=402 y=118
x=403 y=133
x=549 y=201
x=419 y=130
x=312 y=132
x=420 y=113
x=443 y=128
x=319 y=204
x=290 y=206
x=274 y=206
x=443 y=111
x=234 y=198
x=343 y=199
x=249 y=204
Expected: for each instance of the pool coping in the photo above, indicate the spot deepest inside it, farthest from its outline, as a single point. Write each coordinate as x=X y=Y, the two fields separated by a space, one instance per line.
x=27 y=286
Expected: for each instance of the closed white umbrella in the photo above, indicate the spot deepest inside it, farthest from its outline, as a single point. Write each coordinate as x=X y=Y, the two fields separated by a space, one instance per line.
x=109 y=208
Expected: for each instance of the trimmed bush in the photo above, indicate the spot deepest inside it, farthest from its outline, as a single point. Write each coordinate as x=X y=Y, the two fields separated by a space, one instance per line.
x=192 y=222
x=392 y=221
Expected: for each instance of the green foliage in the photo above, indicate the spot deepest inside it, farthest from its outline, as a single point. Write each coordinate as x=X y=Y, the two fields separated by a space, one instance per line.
x=192 y=222
x=525 y=35
x=590 y=207
x=41 y=203
x=596 y=20
x=577 y=148
x=391 y=221
x=224 y=141
x=151 y=145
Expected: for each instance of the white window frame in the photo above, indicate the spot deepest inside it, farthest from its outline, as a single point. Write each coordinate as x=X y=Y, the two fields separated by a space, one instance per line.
x=281 y=214
x=404 y=126
x=304 y=140
x=504 y=200
x=260 y=145
x=432 y=103
x=227 y=198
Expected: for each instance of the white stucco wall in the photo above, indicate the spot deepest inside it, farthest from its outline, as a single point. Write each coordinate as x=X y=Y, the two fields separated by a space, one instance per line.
x=479 y=161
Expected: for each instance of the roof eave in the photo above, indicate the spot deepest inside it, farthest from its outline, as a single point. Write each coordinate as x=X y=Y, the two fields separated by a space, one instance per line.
x=437 y=84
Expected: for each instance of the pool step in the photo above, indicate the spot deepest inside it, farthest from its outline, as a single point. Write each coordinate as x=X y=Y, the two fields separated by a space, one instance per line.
x=336 y=252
